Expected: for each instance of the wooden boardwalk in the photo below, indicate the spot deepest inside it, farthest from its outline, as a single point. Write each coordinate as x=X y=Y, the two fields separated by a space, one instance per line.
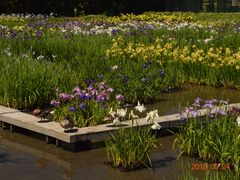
x=53 y=129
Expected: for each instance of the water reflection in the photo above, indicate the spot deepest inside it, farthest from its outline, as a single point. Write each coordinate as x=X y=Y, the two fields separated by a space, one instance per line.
x=19 y=153
x=171 y=102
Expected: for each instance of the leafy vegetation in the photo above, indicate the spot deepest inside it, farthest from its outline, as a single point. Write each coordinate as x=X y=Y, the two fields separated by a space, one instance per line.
x=215 y=139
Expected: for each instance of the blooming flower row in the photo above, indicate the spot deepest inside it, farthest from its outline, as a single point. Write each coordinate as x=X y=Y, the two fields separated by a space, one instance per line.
x=214 y=107
x=130 y=24
x=169 y=51
x=85 y=104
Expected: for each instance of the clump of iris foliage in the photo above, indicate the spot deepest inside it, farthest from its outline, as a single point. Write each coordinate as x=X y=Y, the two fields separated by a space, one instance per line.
x=138 y=55
x=214 y=138
x=130 y=148
x=85 y=106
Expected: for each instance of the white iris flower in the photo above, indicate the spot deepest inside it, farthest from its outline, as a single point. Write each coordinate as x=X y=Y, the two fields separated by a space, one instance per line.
x=238 y=121
x=122 y=112
x=140 y=107
x=155 y=126
x=132 y=115
x=151 y=115
x=112 y=113
x=117 y=122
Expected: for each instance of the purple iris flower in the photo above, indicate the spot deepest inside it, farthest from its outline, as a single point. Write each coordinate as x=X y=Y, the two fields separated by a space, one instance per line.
x=82 y=106
x=38 y=33
x=13 y=34
x=194 y=113
x=125 y=80
x=72 y=109
x=222 y=112
x=88 y=96
x=101 y=85
x=104 y=106
x=93 y=81
x=223 y=102
x=90 y=87
x=188 y=109
x=100 y=98
x=144 y=66
x=182 y=116
x=54 y=103
x=211 y=101
x=214 y=100
x=110 y=90
x=161 y=73
x=114 y=31
x=65 y=96
x=235 y=110
x=82 y=96
x=119 y=98
x=197 y=100
x=104 y=93
x=77 y=90
x=94 y=92
x=208 y=105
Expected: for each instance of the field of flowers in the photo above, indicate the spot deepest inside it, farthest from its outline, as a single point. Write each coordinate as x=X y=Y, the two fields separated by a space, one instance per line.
x=89 y=67
x=138 y=56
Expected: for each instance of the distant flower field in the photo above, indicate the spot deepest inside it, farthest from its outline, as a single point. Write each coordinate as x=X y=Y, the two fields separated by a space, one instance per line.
x=139 y=56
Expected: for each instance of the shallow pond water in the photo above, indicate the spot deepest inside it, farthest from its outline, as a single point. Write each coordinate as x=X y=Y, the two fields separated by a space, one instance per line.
x=23 y=157
x=171 y=102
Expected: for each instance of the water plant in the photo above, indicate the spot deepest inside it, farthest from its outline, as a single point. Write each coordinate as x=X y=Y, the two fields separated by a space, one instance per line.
x=130 y=148
x=84 y=106
x=213 y=138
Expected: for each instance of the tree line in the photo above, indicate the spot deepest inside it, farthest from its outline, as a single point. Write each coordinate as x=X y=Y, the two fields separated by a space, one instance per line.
x=78 y=7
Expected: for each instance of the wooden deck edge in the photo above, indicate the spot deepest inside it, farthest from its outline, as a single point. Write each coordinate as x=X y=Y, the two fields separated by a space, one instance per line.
x=95 y=133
